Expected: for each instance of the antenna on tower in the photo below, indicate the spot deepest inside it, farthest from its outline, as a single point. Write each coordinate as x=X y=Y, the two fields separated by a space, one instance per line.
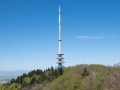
x=60 y=59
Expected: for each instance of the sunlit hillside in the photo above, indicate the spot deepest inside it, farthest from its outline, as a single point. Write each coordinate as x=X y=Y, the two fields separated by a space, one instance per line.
x=80 y=77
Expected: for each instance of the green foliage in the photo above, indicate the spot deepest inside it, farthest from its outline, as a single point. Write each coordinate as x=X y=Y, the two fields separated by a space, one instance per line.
x=11 y=86
x=34 y=76
x=88 y=77
x=32 y=81
x=80 y=77
x=12 y=81
x=41 y=78
x=85 y=72
x=27 y=81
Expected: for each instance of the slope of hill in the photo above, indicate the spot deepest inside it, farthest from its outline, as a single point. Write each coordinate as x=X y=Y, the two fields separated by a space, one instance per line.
x=27 y=81
x=80 y=77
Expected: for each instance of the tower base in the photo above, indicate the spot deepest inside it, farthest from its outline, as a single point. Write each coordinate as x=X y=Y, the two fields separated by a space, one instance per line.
x=60 y=61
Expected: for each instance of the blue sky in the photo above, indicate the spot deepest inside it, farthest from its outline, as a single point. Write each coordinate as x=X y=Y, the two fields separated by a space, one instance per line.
x=29 y=33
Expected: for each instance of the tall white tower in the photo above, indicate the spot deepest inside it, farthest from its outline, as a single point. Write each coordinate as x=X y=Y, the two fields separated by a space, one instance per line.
x=60 y=59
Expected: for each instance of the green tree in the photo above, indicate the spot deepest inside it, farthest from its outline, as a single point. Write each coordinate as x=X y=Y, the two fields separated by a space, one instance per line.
x=32 y=81
x=85 y=72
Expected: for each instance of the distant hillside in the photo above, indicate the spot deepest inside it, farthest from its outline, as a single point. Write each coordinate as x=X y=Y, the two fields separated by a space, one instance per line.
x=13 y=73
x=6 y=76
x=80 y=77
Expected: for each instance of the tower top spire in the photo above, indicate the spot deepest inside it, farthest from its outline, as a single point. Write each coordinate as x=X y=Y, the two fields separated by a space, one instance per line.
x=59 y=11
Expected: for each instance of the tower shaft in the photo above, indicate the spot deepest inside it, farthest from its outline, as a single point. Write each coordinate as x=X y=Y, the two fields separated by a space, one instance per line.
x=59 y=31
x=60 y=59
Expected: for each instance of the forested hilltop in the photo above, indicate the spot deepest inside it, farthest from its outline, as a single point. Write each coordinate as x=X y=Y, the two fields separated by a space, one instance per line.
x=80 y=77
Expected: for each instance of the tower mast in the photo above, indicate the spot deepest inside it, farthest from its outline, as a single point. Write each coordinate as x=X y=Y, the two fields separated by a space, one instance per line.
x=59 y=30
x=60 y=59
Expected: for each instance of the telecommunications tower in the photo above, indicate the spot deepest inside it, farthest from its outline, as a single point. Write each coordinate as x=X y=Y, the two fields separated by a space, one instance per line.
x=60 y=59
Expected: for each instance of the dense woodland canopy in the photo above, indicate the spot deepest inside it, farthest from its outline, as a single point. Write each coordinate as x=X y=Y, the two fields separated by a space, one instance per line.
x=80 y=77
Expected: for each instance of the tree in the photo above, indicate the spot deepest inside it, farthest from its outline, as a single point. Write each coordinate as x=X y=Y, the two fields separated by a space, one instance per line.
x=32 y=81
x=60 y=71
x=85 y=72
x=12 y=81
